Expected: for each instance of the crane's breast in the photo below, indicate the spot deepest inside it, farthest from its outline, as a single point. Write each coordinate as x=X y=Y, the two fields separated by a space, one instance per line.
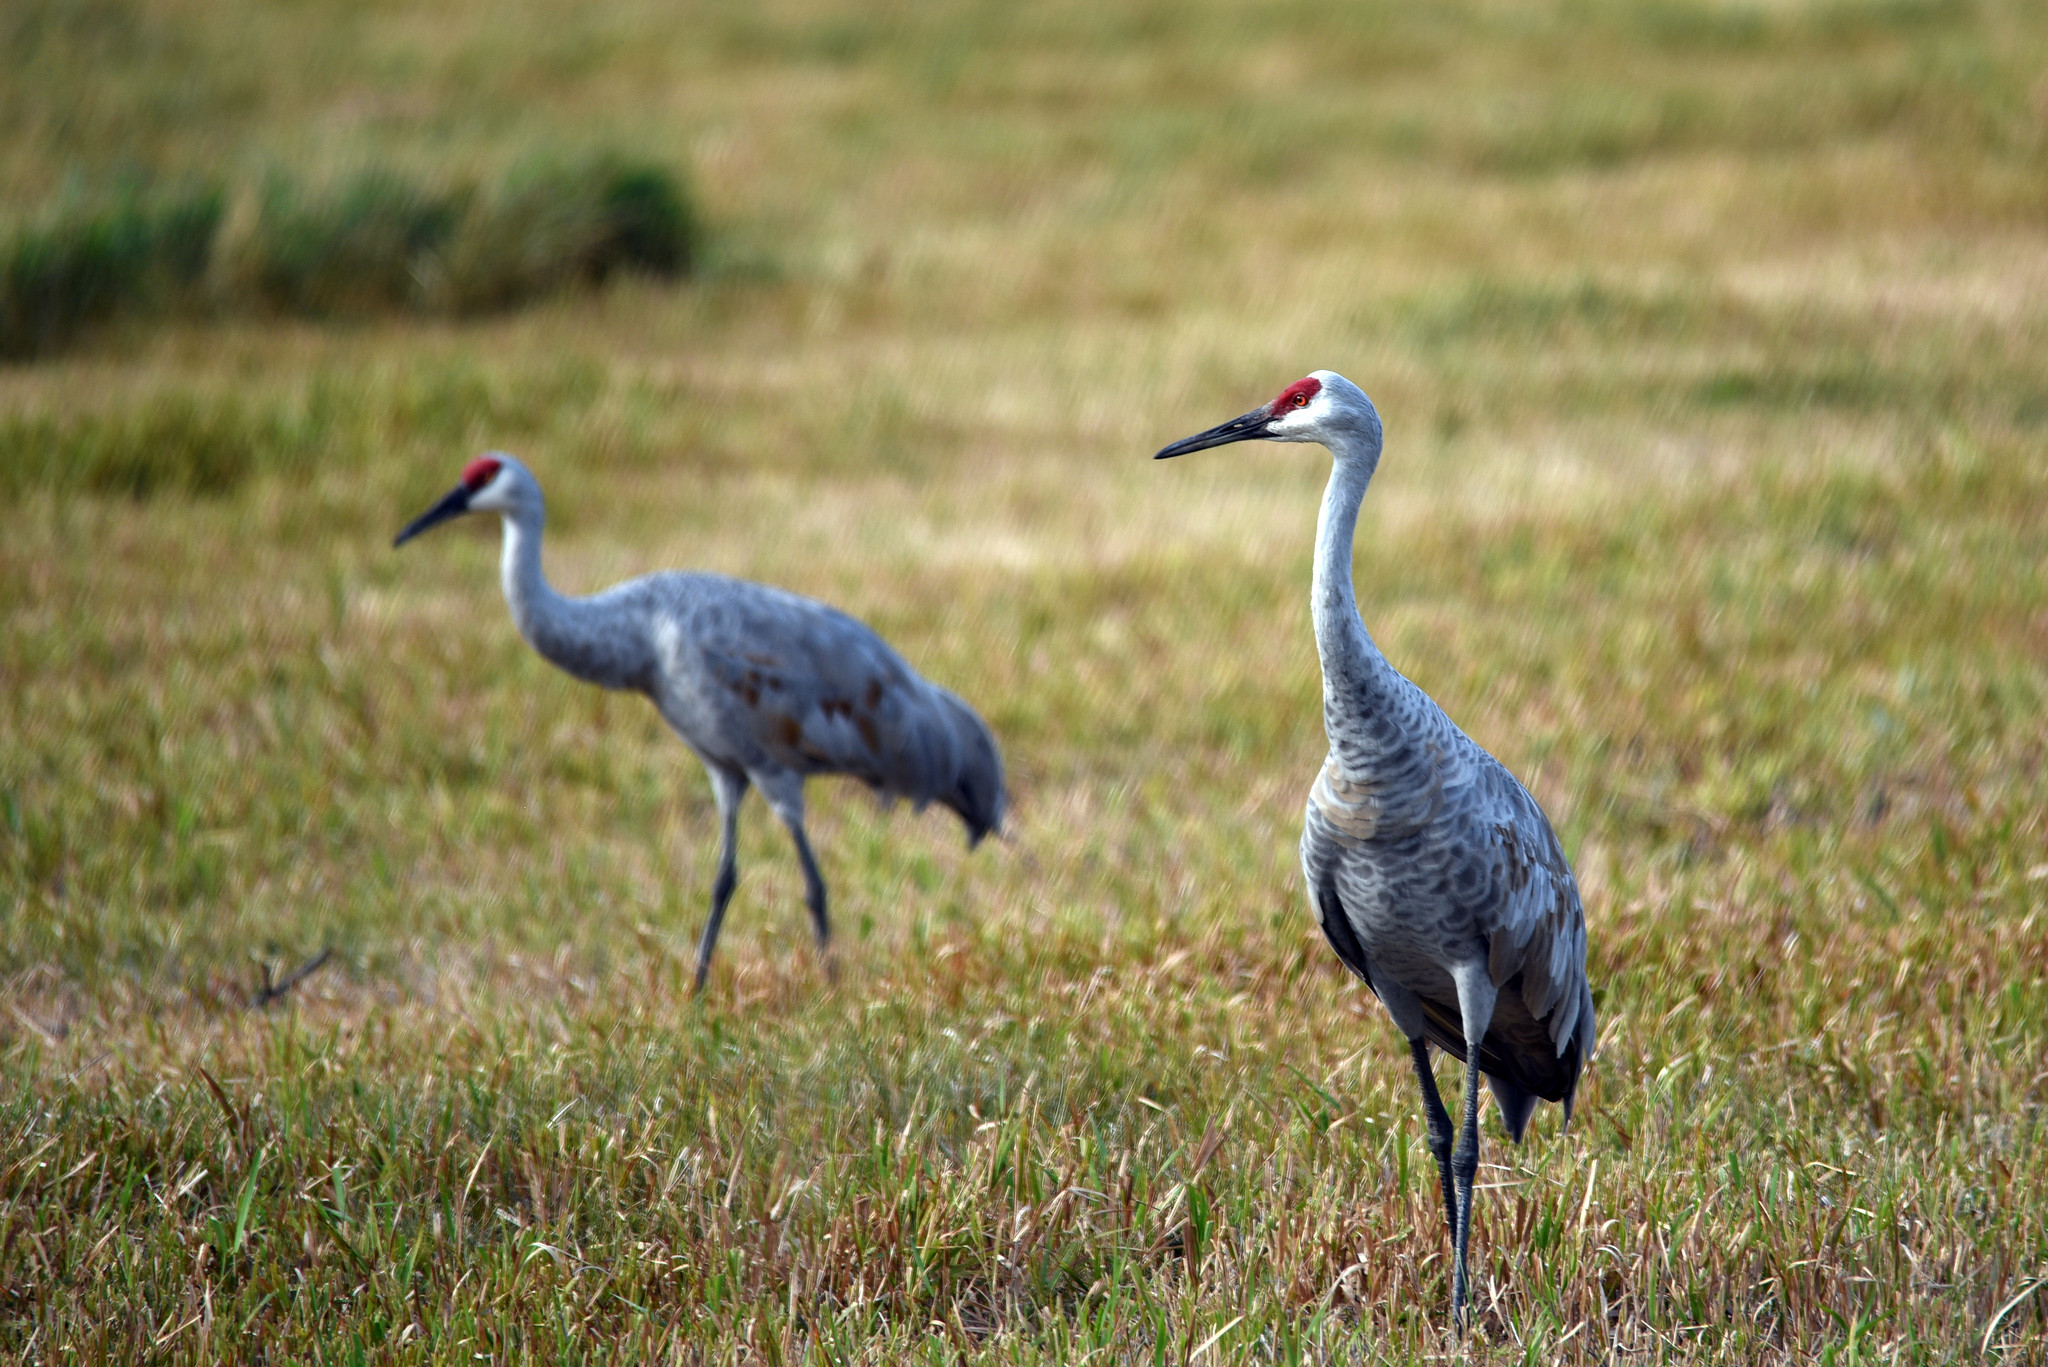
x=1350 y=806
x=1360 y=809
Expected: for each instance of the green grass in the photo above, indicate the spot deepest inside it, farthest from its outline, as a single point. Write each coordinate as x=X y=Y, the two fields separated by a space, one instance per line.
x=374 y=242
x=1710 y=342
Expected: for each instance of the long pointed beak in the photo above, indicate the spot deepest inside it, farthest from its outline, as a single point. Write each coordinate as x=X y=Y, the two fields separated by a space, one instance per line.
x=454 y=504
x=1251 y=427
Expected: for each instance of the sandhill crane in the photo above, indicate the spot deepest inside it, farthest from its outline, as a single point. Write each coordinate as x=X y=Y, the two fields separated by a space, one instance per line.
x=768 y=688
x=1434 y=874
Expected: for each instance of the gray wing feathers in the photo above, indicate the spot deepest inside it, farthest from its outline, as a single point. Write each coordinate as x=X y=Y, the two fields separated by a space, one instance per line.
x=800 y=686
x=1536 y=927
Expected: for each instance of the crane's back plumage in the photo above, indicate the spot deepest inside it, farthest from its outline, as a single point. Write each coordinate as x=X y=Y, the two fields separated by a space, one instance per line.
x=756 y=677
x=769 y=682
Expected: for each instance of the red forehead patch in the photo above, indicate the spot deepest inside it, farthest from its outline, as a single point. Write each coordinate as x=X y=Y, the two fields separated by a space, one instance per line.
x=480 y=472
x=1297 y=394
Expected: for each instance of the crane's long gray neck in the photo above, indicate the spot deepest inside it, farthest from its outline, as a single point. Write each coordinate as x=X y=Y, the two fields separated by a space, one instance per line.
x=1362 y=694
x=598 y=641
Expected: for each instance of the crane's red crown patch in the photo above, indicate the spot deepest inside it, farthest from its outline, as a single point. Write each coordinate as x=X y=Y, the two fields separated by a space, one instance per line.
x=480 y=472
x=1297 y=395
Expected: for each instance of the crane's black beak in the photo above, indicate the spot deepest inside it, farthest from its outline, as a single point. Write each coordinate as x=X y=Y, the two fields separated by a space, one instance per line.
x=1253 y=426
x=454 y=504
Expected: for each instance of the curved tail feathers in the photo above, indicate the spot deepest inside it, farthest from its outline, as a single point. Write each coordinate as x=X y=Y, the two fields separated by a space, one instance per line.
x=1517 y=1101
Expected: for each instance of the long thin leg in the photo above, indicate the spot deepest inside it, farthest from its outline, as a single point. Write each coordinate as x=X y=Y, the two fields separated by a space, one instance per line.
x=728 y=790
x=814 y=888
x=787 y=797
x=1476 y=996
x=1465 y=1166
x=1439 y=1129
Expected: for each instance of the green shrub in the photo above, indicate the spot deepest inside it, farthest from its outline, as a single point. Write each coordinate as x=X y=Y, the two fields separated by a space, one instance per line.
x=369 y=246
x=377 y=242
x=83 y=267
x=654 y=225
x=552 y=224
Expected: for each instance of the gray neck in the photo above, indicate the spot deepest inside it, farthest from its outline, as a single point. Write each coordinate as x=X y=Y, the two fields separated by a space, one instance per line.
x=1362 y=694
x=598 y=641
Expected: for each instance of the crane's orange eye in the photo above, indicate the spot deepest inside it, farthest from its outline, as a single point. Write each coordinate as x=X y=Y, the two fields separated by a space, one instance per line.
x=1296 y=395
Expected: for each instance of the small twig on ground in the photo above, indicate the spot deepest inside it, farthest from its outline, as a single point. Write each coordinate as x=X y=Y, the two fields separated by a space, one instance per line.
x=268 y=991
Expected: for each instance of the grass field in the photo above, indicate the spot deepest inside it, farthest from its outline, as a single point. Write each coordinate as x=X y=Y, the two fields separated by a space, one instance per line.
x=1712 y=341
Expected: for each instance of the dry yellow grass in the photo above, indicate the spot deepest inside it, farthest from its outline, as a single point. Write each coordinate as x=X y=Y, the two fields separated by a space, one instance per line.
x=1710 y=340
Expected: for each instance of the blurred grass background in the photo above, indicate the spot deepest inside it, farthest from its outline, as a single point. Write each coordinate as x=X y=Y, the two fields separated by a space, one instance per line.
x=1710 y=339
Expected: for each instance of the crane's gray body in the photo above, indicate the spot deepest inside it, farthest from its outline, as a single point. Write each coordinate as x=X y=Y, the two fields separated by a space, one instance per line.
x=773 y=684
x=1420 y=852
x=766 y=686
x=1432 y=871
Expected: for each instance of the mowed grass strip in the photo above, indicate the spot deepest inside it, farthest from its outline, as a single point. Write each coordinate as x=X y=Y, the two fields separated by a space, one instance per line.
x=1709 y=341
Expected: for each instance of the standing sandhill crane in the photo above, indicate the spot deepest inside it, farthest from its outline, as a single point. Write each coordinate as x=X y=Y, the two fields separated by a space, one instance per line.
x=1433 y=872
x=768 y=688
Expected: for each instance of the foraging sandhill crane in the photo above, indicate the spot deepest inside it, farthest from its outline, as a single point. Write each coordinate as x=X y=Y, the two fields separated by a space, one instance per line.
x=768 y=688
x=1434 y=874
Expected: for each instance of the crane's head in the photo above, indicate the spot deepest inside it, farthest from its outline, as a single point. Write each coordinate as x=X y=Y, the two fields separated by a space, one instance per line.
x=1322 y=407
x=492 y=483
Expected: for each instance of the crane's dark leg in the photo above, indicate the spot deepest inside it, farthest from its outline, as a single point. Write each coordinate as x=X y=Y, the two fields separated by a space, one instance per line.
x=1439 y=1129
x=1476 y=996
x=814 y=888
x=728 y=790
x=1464 y=1167
x=787 y=797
